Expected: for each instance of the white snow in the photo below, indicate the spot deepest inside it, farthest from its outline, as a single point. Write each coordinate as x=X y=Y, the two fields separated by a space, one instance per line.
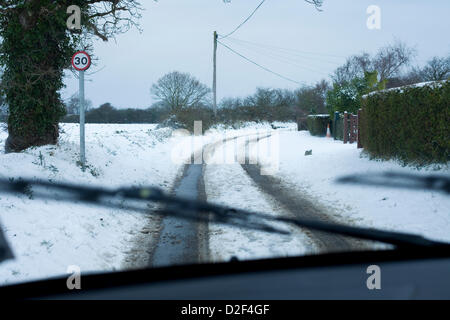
x=47 y=236
x=419 y=211
x=422 y=212
x=229 y=185
x=319 y=116
x=415 y=85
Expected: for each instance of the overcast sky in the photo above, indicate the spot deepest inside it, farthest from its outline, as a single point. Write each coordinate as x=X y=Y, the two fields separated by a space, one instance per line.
x=177 y=35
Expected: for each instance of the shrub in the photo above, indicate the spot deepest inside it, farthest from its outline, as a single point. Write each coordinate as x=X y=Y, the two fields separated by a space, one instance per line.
x=108 y=114
x=347 y=96
x=186 y=117
x=410 y=124
x=317 y=124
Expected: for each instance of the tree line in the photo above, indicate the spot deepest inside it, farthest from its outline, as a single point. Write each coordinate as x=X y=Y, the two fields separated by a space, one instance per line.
x=182 y=99
x=187 y=99
x=36 y=49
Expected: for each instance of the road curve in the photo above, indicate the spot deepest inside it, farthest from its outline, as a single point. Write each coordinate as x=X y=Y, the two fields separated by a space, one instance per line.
x=299 y=205
x=181 y=241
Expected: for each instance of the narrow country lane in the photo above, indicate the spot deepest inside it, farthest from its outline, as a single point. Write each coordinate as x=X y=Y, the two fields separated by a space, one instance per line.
x=180 y=241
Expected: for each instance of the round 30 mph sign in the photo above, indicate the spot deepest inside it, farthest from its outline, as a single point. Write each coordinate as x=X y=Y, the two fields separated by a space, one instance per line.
x=81 y=61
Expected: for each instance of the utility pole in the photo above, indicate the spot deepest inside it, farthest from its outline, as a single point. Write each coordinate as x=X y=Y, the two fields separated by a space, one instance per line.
x=214 y=75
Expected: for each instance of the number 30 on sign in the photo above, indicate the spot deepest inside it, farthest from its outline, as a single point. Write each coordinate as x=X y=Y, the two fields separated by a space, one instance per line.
x=81 y=61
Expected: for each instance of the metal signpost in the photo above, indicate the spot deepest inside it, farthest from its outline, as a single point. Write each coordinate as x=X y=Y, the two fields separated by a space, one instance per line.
x=81 y=61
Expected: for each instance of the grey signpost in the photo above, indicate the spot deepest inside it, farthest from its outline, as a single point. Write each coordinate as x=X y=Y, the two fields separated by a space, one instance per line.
x=81 y=61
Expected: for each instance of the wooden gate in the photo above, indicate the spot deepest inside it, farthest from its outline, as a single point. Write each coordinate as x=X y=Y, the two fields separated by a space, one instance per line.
x=352 y=128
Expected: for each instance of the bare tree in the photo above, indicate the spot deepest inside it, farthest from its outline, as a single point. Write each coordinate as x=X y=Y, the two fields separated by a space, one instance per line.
x=412 y=76
x=231 y=103
x=388 y=62
x=436 y=69
x=354 y=67
x=180 y=90
x=311 y=99
x=317 y=3
x=390 y=59
x=322 y=88
x=73 y=104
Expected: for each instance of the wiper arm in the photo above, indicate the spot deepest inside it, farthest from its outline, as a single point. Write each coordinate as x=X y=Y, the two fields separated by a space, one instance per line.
x=400 y=180
x=189 y=209
x=179 y=207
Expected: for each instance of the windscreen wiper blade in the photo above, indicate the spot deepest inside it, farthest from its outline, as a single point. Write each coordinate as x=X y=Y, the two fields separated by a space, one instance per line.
x=189 y=209
x=400 y=180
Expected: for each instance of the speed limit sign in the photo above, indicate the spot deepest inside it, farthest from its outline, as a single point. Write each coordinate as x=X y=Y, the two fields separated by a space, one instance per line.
x=81 y=61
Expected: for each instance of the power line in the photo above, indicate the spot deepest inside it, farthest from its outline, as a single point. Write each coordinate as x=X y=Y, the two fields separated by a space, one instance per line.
x=287 y=49
x=257 y=64
x=286 y=59
x=289 y=62
x=249 y=17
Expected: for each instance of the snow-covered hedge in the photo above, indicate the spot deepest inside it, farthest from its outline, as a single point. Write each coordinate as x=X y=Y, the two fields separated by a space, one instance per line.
x=317 y=124
x=409 y=123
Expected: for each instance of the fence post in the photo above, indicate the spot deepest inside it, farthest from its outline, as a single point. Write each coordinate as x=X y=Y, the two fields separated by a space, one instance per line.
x=353 y=127
x=345 y=127
x=360 y=114
x=336 y=118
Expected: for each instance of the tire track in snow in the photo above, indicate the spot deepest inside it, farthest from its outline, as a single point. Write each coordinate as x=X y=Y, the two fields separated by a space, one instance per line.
x=299 y=206
x=181 y=241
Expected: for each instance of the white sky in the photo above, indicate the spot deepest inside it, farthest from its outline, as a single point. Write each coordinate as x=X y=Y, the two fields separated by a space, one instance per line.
x=177 y=35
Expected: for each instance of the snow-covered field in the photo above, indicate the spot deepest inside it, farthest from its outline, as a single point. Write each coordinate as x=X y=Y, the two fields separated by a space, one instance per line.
x=47 y=236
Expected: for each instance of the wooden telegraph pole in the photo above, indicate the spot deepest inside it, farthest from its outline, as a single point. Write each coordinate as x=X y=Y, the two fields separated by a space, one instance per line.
x=214 y=75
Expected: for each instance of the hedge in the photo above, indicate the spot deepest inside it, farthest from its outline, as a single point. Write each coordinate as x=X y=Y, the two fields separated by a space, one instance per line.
x=317 y=124
x=411 y=124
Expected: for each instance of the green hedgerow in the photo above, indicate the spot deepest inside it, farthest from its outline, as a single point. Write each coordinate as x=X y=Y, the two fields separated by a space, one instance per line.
x=410 y=124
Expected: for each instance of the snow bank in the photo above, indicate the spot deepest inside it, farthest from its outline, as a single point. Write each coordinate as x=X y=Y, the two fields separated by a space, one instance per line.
x=47 y=236
x=419 y=211
x=415 y=85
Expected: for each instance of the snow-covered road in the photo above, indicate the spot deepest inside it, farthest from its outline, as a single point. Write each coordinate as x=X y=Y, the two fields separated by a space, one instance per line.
x=313 y=178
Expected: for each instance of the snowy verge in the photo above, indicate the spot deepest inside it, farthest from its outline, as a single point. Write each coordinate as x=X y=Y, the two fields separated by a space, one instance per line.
x=419 y=211
x=48 y=236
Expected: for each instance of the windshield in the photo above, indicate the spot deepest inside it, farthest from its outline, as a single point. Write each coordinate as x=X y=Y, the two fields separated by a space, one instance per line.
x=323 y=111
